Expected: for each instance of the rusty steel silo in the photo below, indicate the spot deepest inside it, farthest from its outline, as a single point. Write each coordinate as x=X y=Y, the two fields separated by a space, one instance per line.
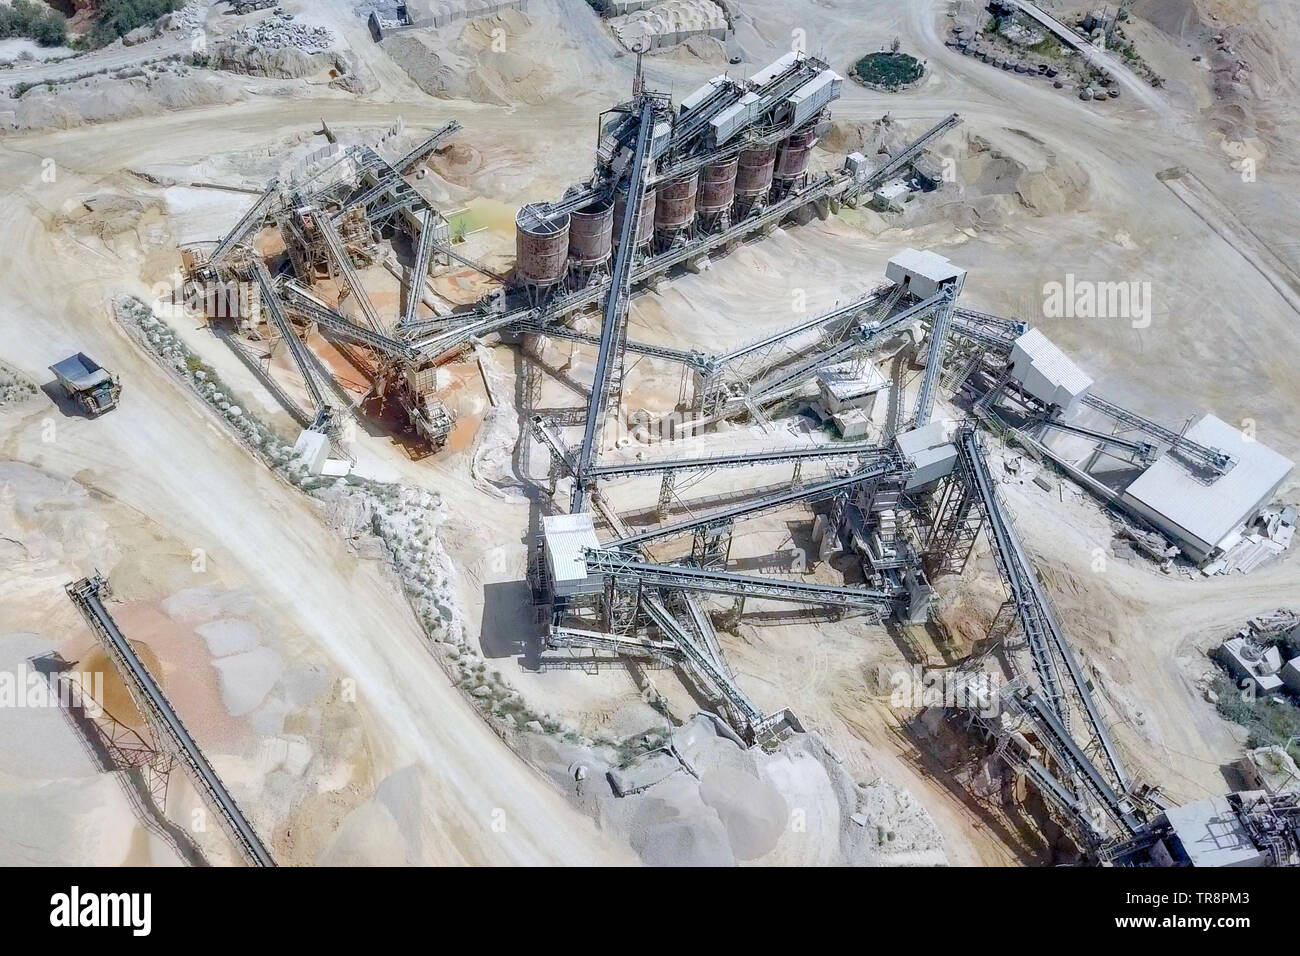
x=792 y=156
x=541 y=246
x=716 y=193
x=675 y=208
x=591 y=237
x=645 y=221
x=754 y=179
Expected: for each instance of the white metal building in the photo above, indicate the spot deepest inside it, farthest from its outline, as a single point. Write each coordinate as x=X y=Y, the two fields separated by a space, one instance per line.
x=565 y=538
x=847 y=385
x=924 y=273
x=931 y=450
x=1047 y=373
x=1206 y=518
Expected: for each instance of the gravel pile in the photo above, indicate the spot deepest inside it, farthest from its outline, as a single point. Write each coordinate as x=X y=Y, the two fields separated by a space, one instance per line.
x=281 y=30
x=14 y=386
x=192 y=17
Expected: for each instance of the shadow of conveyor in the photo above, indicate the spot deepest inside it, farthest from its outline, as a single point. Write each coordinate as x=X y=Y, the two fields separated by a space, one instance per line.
x=119 y=751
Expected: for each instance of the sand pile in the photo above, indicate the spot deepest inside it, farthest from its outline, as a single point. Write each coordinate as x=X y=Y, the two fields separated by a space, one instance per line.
x=291 y=62
x=52 y=523
x=999 y=179
x=489 y=60
x=704 y=800
x=667 y=23
x=102 y=99
x=701 y=49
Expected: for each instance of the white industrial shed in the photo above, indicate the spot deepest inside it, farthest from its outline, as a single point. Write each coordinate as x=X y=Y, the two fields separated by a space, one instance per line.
x=566 y=538
x=1205 y=518
x=1047 y=373
x=931 y=451
x=924 y=273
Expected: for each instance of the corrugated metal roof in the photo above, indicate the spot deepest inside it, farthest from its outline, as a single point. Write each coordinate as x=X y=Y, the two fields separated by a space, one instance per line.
x=735 y=117
x=694 y=99
x=925 y=263
x=566 y=537
x=1211 y=512
x=1052 y=363
x=817 y=83
x=846 y=382
x=769 y=72
x=916 y=440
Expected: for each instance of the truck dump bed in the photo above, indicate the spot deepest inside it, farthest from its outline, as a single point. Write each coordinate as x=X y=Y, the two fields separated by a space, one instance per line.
x=80 y=372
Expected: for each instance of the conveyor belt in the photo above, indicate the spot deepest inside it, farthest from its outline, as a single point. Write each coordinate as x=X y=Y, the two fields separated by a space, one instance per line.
x=1053 y=733
x=691 y=359
x=609 y=359
x=254 y=215
x=708 y=635
x=299 y=299
x=349 y=273
x=271 y=302
x=848 y=313
x=908 y=153
x=420 y=268
x=688 y=577
x=1211 y=458
x=163 y=719
x=863 y=338
x=1046 y=639
x=600 y=640
x=404 y=164
x=1144 y=450
x=704 y=664
x=992 y=330
x=737 y=460
x=939 y=328
x=883 y=463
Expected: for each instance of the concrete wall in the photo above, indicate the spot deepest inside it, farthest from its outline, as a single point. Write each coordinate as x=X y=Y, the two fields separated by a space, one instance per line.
x=432 y=13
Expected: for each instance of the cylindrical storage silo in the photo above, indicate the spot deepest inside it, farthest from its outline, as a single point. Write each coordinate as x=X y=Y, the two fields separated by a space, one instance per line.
x=753 y=178
x=591 y=235
x=675 y=207
x=541 y=246
x=717 y=192
x=792 y=156
x=645 y=222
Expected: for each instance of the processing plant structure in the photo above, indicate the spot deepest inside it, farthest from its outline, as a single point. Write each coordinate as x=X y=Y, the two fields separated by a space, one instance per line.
x=905 y=486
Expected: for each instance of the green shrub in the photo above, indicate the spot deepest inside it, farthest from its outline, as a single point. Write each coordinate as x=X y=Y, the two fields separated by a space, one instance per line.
x=890 y=70
x=117 y=18
x=35 y=21
x=1268 y=722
